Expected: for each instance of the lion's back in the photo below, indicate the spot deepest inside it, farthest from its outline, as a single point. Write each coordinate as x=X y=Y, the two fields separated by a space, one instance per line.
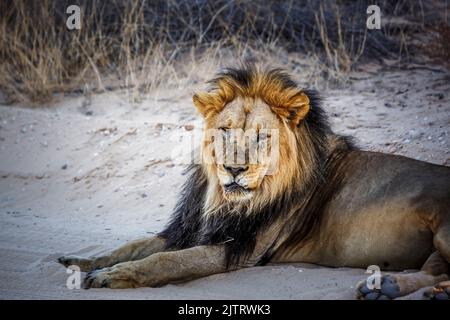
x=386 y=201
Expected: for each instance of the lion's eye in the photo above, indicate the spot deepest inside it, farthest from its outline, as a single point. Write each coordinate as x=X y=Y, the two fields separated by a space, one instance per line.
x=223 y=129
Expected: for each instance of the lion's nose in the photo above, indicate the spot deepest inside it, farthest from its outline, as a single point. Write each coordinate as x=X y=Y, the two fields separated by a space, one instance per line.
x=235 y=170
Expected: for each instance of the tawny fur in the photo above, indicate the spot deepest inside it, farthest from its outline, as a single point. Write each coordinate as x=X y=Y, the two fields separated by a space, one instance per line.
x=328 y=204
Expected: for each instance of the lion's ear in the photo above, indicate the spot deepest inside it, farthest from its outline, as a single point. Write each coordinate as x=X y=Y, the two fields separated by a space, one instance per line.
x=294 y=107
x=299 y=108
x=205 y=103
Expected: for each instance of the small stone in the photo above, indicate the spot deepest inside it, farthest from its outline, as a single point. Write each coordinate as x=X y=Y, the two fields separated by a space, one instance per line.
x=365 y=290
x=372 y=295
x=160 y=174
x=64 y=167
x=144 y=195
x=441 y=296
x=414 y=134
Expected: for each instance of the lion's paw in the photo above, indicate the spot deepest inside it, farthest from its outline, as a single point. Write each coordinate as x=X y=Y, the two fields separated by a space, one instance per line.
x=116 y=277
x=390 y=289
x=85 y=264
x=439 y=292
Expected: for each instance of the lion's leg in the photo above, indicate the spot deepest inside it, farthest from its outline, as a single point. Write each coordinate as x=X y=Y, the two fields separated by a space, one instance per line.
x=441 y=241
x=134 y=250
x=433 y=271
x=160 y=268
x=441 y=291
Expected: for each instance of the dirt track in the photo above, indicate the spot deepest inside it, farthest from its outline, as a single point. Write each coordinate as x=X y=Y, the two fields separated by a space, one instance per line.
x=83 y=177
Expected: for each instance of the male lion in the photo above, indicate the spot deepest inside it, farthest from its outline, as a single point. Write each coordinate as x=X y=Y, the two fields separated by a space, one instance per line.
x=328 y=203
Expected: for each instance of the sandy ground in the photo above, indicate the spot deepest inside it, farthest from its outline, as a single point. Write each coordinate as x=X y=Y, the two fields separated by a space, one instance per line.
x=90 y=173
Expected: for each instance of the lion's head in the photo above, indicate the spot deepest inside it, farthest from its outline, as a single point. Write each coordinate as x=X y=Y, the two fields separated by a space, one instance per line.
x=273 y=109
x=232 y=199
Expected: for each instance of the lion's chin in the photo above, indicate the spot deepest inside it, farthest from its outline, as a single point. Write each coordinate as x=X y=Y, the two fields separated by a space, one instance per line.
x=236 y=193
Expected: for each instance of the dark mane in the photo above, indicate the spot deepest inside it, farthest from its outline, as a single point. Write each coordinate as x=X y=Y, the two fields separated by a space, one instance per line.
x=189 y=226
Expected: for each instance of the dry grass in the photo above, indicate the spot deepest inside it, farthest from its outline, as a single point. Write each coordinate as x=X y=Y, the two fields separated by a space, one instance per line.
x=141 y=45
x=438 y=46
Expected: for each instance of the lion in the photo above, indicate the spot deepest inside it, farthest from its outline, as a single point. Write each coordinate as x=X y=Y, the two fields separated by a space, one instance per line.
x=328 y=203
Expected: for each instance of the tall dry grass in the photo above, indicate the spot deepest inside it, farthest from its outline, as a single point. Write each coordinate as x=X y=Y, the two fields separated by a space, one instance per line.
x=143 y=45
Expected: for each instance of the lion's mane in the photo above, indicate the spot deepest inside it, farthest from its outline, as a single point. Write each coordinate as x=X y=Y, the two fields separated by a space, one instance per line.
x=320 y=158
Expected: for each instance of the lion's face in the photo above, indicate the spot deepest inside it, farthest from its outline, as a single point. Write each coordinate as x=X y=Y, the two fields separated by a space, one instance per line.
x=241 y=146
x=252 y=138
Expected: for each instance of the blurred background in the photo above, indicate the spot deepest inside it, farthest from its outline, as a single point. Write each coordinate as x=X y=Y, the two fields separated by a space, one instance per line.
x=141 y=45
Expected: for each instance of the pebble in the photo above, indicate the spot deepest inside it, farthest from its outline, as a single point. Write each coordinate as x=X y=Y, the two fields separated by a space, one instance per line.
x=441 y=296
x=414 y=134
x=160 y=174
x=372 y=296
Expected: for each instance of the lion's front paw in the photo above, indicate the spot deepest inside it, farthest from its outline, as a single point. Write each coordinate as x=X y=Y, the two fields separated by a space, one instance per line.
x=119 y=276
x=389 y=289
x=439 y=292
x=85 y=264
